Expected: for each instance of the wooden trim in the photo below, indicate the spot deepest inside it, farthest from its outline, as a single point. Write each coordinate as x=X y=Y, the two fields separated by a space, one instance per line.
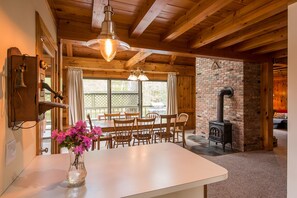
x=147 y=14
x=69 y=50
x=172 y=59
x=267 y=105
x=196 y=15
x=252 y=13
x=280 y=54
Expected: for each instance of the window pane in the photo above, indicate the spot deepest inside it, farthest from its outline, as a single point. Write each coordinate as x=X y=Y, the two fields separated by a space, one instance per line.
x=154 y=97
x=95 y=97
x=124 y=96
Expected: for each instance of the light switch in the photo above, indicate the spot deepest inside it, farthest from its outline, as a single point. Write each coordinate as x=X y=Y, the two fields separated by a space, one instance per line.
x=10 y=151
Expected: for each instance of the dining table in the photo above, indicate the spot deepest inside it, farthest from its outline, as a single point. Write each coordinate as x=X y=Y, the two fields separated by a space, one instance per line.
x=107 y=126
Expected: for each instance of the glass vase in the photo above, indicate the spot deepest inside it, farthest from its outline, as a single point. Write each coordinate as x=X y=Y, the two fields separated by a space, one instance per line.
x=77 y=172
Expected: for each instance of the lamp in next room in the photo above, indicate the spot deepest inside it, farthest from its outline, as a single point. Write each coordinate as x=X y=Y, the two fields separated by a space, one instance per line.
x=108 y=42
x=137 y=75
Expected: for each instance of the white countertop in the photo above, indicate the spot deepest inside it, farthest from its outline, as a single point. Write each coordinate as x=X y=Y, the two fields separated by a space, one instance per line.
x=138 y=171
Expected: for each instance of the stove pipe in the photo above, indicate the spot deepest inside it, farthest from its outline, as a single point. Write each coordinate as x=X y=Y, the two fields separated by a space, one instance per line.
x=228 y=91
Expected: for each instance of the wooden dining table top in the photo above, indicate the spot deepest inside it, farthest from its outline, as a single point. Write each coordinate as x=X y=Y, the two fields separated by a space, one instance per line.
x=108 y=125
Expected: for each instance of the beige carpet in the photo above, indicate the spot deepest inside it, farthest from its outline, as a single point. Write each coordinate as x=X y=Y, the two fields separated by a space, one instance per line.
x=257 y=174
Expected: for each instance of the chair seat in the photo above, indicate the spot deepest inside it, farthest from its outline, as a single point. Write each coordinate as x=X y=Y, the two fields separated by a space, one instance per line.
x=164 y=134
x=142 y=136
x=122 y=138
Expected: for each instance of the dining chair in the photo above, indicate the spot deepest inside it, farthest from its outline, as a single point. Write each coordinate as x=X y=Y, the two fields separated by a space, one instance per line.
x=123 y=131
x=182 y=117
x=166 y=132
x=130 y=115
x=152 y=115
x=106 y=137
x=111 y=116
x=144 y=130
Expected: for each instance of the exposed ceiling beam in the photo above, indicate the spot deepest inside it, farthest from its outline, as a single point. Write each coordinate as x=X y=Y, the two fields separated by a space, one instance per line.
x=98 y=13
x=265 y=39
x=172 y=59
x=137 y=58
x=69 y=50
x=119 y=65
x=272 y=47
x=252 y=13
x=273 y=23
x=147 y=14
x=197 y=14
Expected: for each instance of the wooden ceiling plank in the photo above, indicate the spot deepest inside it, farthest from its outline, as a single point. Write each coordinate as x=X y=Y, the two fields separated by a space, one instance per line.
x=69 y=50
x=252 y=13
x=265 y=39
x=147 y=14
x=197 y=14
x=272 y=47
x=98 y=13
x=274 y=23
x=137 y=58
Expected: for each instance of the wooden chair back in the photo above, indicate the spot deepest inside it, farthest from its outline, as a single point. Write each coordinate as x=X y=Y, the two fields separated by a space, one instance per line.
x=144 y=130
x=168 y=119
x=152 y=115
x=123 y=130
x=111 y=116
x=130 y=115
x=183 y=117
x=90 y=121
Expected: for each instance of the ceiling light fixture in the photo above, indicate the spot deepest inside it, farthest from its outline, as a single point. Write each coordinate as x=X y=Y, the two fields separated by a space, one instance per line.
x=108 y=42
x=137 y=75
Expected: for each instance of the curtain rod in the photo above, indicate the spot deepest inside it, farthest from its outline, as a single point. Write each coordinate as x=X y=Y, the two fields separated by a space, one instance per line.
x=117 y=70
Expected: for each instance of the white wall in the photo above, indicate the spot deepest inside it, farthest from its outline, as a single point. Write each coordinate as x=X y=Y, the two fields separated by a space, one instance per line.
x=17 y=19
x=292 y=102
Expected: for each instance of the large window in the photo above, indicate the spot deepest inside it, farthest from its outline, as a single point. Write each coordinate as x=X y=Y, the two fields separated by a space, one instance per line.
x=154 y=97
x=112 y=96
x=95 y=97
x=124 y=96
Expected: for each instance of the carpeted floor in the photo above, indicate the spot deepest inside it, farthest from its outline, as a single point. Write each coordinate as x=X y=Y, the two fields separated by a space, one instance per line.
x=256 y=174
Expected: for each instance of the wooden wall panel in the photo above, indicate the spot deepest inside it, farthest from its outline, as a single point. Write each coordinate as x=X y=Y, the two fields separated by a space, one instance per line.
x=186 y=98
x=280 y=92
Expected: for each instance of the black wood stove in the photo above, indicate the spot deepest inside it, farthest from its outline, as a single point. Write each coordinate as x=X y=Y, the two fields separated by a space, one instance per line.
x=220 y=130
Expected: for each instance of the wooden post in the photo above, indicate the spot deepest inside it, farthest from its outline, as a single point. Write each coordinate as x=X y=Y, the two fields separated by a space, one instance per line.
x=267 y=105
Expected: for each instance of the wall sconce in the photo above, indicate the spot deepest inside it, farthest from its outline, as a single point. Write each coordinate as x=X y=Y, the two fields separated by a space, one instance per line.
x=137 y=75
x=108 y=42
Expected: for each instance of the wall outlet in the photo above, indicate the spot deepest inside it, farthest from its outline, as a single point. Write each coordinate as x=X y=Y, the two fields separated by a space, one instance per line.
x=10 y=151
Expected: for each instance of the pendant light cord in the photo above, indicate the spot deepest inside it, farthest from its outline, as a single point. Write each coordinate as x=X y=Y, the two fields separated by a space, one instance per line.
x=108 y=3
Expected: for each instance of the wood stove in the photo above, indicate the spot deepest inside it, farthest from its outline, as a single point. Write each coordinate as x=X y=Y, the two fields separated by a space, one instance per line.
x=220 y=130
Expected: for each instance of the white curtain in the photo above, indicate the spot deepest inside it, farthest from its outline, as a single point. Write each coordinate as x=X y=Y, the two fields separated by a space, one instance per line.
x=76 y=95
x=172 y=94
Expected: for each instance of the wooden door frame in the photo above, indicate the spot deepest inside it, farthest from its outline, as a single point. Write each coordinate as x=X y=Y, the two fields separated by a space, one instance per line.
x=44 y=41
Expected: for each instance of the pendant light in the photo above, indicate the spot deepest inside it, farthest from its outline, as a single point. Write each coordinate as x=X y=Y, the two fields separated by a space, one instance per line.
x=108 y=42
x=137 y=75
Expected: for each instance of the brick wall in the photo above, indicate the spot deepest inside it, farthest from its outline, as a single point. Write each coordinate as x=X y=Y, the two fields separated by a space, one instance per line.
x=243 y=109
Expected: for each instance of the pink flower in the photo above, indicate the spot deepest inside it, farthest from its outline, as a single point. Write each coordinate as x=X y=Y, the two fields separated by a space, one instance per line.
x=55 y=133
x=78 y=150
x=61 y=137
x=81 y=125
x=97 y=131
x=87 y=141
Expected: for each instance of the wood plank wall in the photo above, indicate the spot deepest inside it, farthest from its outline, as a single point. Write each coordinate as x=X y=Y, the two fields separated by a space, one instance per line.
x=185 y=81
x=280 y=92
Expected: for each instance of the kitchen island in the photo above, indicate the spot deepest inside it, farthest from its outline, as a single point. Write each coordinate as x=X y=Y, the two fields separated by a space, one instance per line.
x=156 y=170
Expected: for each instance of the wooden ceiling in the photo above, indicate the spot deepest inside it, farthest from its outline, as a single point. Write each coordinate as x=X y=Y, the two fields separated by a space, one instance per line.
x=177 y=31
